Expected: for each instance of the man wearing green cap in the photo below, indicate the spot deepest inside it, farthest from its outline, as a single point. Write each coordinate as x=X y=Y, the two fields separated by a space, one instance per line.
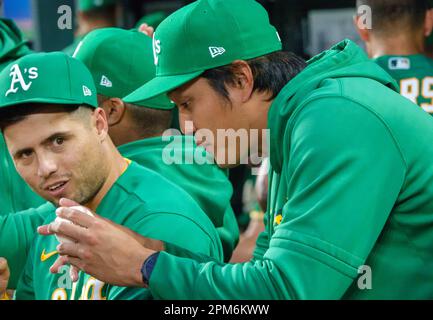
x=350 y=183
x=401 y=53
x=137 y=129
x=74 y=157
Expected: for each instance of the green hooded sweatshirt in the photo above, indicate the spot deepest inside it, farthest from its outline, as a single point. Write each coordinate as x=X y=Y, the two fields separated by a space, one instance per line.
x=206 y=183
x=15 y=195
x=350 y=210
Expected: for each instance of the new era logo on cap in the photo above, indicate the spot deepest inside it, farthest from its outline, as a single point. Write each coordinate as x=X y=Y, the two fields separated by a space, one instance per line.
x=86 y=91
x=17 y=77
x=106 y=82
x=216 y=51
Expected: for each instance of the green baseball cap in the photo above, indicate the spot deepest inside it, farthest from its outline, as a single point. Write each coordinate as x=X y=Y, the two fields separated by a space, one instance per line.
x=207 y=34
x=47 y=78
x=87 y=5
x=120 y=61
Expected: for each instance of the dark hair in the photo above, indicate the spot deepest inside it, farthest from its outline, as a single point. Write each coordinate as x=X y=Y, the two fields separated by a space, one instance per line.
x=149 y=122
x=271 y=73
x=388 y=14
x=14 y=114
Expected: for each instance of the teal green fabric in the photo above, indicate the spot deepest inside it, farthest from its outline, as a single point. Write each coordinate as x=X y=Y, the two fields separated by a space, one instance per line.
x=350 y=189
x=207 y=184
x=34 y=78
x=413 y=74
x=138 y=201
x=186 y=43
x=17 y=232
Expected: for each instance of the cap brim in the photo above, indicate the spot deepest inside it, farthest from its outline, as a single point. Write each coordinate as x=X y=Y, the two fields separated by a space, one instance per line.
x=159 y=102
x=159 y=85
x=48 y=101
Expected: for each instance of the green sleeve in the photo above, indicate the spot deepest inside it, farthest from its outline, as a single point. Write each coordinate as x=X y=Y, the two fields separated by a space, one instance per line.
x=123 y=293
x=262 y=242
x=229 y=233
x=25 y=289
x=178 y=229
x=182 y=235
x=345 y=172
x=17 y=231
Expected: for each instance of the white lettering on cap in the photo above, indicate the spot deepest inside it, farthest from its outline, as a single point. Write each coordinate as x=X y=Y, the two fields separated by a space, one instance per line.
x=17 y=77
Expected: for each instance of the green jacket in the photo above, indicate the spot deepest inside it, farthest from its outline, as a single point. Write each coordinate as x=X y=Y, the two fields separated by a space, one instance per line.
x=17 y=232
x=350 y=210
x=207 y=184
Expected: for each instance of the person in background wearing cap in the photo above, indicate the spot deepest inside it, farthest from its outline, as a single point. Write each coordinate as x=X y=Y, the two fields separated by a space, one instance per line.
x=92 y=15
x=401 y=53
x=350 y=183
x=136 y=127
x=74 y=157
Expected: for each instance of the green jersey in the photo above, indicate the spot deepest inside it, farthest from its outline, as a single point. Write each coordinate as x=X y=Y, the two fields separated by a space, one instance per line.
x=146 y=203
x=350 y=210
x=414 y=74
x=17 y=232
x=207 y=184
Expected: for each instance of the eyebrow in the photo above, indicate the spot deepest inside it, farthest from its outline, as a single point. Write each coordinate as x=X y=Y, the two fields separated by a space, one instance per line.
x=44 y=142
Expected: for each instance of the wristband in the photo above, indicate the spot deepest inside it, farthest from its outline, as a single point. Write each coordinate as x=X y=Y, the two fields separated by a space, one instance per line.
x=147 y=268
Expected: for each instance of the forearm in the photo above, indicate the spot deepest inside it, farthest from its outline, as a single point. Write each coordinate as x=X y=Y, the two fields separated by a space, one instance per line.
x=180 y=278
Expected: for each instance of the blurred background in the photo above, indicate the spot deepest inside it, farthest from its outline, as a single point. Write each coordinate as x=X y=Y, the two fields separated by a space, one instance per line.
x=300 y=22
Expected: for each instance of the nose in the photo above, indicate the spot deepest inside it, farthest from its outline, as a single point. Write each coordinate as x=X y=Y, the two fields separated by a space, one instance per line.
x=186 y=124
x=46 y=165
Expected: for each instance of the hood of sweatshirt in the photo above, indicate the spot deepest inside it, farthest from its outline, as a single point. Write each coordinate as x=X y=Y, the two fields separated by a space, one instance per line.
x=345 y=59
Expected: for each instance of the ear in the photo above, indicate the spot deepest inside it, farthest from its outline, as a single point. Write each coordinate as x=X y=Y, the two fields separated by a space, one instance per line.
x=428 y=23
x=364 y=33
x=115 y=110
x=101 y=123
x=243 y=81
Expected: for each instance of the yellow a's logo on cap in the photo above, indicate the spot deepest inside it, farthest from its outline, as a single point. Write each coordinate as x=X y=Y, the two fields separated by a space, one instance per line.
x=17 y=77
